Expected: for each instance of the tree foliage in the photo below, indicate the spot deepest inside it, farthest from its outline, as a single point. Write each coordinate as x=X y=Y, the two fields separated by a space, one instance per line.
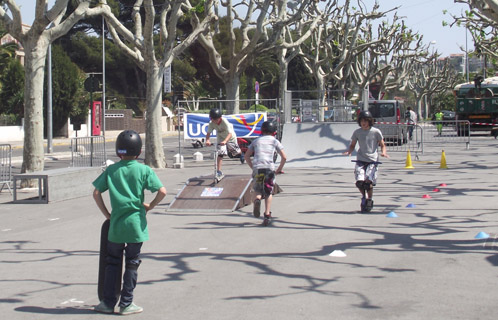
x=12 y=91
x=125 y=81
x=66 y=89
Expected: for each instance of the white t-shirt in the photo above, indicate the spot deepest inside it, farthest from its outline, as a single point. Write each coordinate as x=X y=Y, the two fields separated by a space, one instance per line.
x=412 y=117
x=264 y=147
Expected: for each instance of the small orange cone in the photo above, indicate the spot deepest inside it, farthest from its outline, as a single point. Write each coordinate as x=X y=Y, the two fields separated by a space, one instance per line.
x=426 y=196
x=409 y=161
x=435 y=190
x=443 y=161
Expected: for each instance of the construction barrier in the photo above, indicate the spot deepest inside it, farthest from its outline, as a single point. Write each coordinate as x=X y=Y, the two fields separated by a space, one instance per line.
x=88 y=151
x=6 y=166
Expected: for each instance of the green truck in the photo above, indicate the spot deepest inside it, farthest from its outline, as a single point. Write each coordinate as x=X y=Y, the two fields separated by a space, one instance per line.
x=477 y=103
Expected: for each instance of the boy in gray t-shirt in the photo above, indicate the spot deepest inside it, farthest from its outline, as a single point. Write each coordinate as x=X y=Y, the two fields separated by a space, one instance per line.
x=365 y=171
x=263 y=168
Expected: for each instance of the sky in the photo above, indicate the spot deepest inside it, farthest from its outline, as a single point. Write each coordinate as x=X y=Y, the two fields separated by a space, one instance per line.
x=424 y=16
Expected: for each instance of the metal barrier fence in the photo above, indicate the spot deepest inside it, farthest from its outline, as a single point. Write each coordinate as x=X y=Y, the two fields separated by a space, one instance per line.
x=403 y=137
x=226 y=106
x=88 y=151
x=6 y=166
x=312 y=111
x=446 y=131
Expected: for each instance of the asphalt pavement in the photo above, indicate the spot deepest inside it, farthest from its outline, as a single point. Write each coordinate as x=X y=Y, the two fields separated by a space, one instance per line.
x=415 y=256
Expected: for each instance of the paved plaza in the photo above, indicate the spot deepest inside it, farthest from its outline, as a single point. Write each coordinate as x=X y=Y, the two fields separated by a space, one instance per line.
x=320 y=259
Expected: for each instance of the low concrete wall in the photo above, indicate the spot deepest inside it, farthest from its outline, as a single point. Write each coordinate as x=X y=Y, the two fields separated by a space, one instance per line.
x=11 y=133
x=60 y=184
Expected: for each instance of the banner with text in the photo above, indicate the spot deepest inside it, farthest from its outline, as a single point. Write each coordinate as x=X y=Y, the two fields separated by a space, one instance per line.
x=245 y=125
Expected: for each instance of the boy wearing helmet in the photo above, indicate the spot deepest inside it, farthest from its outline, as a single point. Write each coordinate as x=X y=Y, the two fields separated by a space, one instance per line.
x=263 y=167
x=368 y=139
x=225 y=136
x=126 y=181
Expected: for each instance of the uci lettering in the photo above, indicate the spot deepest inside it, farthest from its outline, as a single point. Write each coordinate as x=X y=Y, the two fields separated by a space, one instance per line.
x=197 y=129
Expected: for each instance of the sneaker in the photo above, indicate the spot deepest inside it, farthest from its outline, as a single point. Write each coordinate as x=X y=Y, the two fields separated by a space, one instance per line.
x=369 y=205
x=131 y=309
x=267 y=220
x=363 y=204
x=219 y=176
x=257 y=208
x=103 y=308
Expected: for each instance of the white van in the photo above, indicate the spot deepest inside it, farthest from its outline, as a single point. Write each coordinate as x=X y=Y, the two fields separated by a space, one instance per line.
x=389 y=117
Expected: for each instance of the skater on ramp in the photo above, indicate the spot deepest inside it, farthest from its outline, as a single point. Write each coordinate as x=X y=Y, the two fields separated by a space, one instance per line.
x=263 y=168
x=126 y=181
x=369 y=139
x=225 y=137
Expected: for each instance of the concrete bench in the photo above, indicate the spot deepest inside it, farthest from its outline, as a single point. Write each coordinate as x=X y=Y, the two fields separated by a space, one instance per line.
x=59 y=184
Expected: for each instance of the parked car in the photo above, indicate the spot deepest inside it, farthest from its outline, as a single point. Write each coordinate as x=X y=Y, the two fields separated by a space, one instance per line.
x=309 y=118
x=296 y=119
x=272 y=117
x=448 y=115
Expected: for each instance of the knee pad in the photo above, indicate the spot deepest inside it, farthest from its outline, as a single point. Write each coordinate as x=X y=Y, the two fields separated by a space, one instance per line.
x=133 y=264
x=360 y=184
x=367 y=185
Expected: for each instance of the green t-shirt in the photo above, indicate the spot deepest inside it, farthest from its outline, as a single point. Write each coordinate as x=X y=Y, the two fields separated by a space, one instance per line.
x=126 y=181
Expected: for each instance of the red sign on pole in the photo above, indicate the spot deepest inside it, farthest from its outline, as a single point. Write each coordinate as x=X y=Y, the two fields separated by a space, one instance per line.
x=256 y=87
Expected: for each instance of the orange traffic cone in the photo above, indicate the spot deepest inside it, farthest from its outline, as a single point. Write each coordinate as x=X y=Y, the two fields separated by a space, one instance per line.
x=443 y=161
x=409 y=161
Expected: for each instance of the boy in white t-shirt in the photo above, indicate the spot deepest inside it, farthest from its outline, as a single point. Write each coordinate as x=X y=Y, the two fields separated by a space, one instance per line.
x=225 y=137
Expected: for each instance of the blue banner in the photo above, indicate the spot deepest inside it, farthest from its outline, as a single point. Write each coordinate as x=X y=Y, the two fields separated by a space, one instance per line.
x=245 y=125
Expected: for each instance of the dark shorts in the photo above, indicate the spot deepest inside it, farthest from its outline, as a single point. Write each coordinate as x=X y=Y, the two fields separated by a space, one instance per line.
x=264 y=181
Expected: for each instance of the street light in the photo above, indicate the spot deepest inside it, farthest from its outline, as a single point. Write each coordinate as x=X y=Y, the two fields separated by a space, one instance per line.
x=433 y=44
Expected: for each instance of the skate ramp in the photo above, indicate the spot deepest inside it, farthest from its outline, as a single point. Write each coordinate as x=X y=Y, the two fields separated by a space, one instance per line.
x=310 y=145
x=201 y=194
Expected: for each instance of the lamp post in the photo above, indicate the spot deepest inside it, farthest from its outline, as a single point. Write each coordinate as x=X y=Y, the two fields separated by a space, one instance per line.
x=433 y=44
x=366 y=89
x=466 y=57
x=103 y=84
x=49 y=101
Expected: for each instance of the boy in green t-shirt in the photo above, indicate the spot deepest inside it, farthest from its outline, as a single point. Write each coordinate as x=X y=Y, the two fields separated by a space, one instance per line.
x=126 y=181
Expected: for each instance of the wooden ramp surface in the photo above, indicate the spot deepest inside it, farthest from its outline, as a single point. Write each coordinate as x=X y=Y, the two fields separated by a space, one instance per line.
x=201 y=194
